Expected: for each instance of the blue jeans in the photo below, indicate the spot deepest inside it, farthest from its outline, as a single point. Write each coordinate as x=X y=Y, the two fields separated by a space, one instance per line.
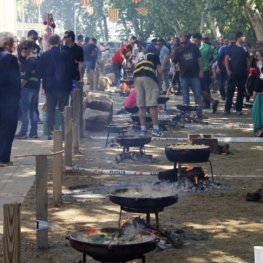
x=165 y=77
x=194 y=84
x=89 y=66
x=117 y=68
x=9 y=105
x=28 y=106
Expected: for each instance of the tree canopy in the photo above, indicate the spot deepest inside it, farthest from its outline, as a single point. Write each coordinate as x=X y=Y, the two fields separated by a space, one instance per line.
x=164 y=18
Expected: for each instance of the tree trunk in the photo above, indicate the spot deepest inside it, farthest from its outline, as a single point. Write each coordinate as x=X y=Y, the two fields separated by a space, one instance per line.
x=124 y=25
x=101 y=29
x=256 y=19
x=106 y=31
x=215 y=29
x=136 y=26
x=98 y=12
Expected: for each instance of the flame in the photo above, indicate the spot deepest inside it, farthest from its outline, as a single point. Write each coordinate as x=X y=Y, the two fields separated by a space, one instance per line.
x=125 y=87
x=124 y=221
x=196 y=179
x=154 y=231
x=188 y=168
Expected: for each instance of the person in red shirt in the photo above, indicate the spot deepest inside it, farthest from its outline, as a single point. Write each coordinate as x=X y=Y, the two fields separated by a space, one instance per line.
x=118 y=60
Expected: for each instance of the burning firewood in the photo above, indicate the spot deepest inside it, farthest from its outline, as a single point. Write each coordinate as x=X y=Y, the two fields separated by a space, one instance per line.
x=222 y=149
x=255 y=197
x=140 y=224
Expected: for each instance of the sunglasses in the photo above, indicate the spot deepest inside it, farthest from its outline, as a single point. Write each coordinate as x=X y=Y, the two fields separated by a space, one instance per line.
x=24 y=48
x=183 y=43
x=35 y=38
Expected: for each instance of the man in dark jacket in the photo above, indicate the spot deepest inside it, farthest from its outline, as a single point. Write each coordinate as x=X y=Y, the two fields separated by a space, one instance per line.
x=56 y=68
x=10 y=88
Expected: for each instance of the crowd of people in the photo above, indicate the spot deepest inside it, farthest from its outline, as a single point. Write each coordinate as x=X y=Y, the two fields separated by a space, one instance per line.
x=59 y=65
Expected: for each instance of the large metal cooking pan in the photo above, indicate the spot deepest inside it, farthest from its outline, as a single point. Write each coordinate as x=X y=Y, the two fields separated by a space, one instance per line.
x=133 y=141
x=115 y=128
x=118 y=197
x=187 y=155
x=112 y=252
x=183 y=107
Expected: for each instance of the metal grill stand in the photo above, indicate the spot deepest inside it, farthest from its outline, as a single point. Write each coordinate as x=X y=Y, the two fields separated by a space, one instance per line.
x=180 y=165
x=156 y=211
x=142 y=257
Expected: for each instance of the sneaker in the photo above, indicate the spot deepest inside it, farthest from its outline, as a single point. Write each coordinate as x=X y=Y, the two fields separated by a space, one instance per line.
x=33 y=136
x=20 y=136
x=223 y=98
x=156 y=133
x=50 y=137
x=239 y=113
x=2 y=164
x=40 y=121
x=215 y=105
x=143 y=132
x=226 y=112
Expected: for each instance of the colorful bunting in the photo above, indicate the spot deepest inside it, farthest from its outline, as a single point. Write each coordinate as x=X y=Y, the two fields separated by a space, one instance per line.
x=113 y=15
x=142 y=10
x=37 y=2
x=85 y=2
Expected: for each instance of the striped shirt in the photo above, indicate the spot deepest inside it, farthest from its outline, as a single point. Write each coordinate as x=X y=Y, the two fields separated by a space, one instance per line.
x=147 y=66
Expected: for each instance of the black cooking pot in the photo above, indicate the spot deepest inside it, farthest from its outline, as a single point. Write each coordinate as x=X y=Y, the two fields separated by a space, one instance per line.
x=133 y=141
x=187 y=155
x=183 y=107
x=114 y=252
x=118 y=197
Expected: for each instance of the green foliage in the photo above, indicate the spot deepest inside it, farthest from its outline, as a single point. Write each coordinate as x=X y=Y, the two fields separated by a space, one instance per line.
x=165 y=17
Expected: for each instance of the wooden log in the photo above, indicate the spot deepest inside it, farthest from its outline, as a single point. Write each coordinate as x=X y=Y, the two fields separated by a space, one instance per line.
x=41 y=200
x=81 y=120
x=12 y=233
x=76 y=111
x=213 y=143
x=194 y=136
x=57 y=168
x=68 y=136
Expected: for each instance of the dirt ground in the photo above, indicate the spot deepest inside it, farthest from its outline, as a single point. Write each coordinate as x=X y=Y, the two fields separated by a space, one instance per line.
x=220 y=225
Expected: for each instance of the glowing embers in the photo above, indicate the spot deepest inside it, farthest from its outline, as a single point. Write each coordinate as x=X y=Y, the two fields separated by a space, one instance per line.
x=190 y=179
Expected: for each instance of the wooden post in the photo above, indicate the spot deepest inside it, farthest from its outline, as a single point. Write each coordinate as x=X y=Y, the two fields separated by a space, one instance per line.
x=97 y=76
x=68 y=136
x=41 y=199
x=57 y=168
x=91 y=79
x=76 y=104
x=81 y=128
x=12 y=233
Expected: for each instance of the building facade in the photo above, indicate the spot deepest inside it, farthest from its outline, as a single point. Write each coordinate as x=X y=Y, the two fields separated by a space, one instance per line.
x=8 y=16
